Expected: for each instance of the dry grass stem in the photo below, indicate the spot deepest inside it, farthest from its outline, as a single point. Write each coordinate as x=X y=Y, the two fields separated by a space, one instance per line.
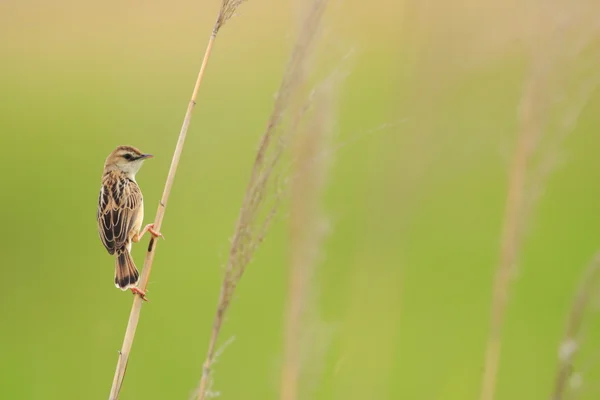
x=227 y=9
x=306 y=228
x=137 y=302
x=590 y=284
x=513 y=224
x=263 y=193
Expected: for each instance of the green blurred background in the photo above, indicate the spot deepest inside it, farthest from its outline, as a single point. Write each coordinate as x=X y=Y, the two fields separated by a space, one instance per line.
x=415 y=209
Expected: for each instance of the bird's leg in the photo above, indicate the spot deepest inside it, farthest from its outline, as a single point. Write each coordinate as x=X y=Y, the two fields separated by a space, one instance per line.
x=147 y=228
x=139 y=292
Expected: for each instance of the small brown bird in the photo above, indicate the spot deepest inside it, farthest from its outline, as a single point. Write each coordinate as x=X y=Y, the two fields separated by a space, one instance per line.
x=121 y=212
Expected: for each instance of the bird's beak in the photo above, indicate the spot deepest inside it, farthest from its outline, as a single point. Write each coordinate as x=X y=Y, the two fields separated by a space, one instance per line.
x=144 y=156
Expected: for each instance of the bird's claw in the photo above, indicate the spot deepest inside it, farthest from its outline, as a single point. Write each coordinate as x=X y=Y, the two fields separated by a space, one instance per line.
x=139 y=292
x=154 y=233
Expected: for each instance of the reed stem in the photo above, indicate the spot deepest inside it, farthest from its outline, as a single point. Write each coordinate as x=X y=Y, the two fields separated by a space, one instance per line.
x=134 y=316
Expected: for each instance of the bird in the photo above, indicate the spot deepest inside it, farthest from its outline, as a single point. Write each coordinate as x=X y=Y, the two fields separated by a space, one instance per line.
x=121 y=213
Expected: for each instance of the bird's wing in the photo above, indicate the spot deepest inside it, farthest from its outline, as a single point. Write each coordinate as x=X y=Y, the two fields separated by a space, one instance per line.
x=118 y=206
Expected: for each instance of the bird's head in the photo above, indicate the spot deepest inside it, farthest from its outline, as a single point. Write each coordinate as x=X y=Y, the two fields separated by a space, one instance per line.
x=127 y=159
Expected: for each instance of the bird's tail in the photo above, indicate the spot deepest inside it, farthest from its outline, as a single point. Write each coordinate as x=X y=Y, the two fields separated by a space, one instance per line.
x=126 y=274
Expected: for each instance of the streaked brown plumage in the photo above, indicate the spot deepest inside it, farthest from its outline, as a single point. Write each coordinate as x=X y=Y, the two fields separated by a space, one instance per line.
x=121 y=212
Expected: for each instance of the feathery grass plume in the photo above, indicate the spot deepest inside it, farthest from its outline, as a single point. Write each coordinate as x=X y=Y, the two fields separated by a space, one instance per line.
x=263 y=193
x=589 y=285
x=568 y=59
x=228 y=7
x=307 y=227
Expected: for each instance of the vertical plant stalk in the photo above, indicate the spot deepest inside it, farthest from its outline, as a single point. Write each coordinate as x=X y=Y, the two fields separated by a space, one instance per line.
x=291 y=364
x=570 y=342
x=513 y=223
x=306 y=230
x=134 y=315
x=255 y=216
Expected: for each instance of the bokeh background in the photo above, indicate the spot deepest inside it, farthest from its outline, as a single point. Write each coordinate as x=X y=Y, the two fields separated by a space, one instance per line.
x=415 y=209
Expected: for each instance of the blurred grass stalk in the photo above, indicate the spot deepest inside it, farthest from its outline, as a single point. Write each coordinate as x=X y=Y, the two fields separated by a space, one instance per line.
x=307 y=227
x=558 y=38
x=226 y=11
x=515 y=217
x=263 y=193
x=590 y=283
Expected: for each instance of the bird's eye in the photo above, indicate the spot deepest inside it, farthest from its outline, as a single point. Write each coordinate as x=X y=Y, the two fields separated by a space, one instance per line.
x=128 y=156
